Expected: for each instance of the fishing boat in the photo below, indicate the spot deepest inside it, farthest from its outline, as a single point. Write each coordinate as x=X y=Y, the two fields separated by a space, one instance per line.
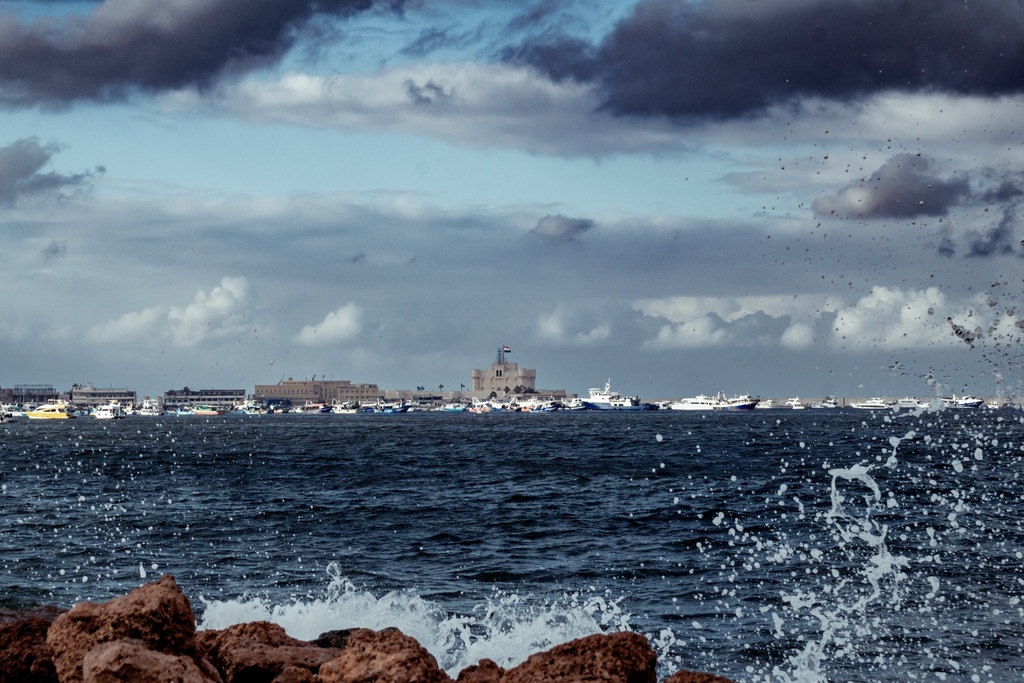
x=150 y=408
x=606 y=399
x=206 y=410
x=344 y=407
x=51 y=411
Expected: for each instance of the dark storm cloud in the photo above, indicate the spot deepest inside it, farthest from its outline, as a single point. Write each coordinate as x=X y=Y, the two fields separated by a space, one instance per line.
x=735 y=57
x=122 y=46
x=20 y=163
x=997 y=241
x=559 y=228
x=901 y=188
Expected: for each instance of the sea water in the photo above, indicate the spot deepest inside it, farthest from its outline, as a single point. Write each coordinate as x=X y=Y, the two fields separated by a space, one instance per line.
x=817 y=545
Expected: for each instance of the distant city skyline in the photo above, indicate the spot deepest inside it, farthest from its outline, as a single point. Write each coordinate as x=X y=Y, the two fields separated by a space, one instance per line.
x=796 y=198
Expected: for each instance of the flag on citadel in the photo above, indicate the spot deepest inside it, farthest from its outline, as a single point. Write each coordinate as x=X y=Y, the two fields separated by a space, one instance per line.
x=506 y=349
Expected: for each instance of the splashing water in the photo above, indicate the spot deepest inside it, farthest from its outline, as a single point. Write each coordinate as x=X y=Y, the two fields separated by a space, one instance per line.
x=507 y=628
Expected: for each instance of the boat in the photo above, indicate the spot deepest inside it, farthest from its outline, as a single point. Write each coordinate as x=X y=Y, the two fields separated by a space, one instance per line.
x=110 y=411
x=963 y=402
x=314 y=408
x=825 y=403
x=720 y=402
x=385 y=408
x=795 y=403
x=766 y=404
x=699 y=402
x=606 y=399
x=206 y=410
x=183 y=411
x=7 y=416
x=51 y=411
x=909 y=403
x=573 y=403
x=744 y=402
x=534 y=405
x=344 y=407
x=874 y=403
x=453 y=407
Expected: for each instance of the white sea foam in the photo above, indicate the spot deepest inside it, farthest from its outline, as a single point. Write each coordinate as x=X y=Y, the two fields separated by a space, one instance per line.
x=507 y=628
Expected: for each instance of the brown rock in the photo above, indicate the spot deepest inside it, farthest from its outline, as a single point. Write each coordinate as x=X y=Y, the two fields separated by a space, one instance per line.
x=259 y=651
x=128 y=661
x=295 y=674
x=609 y=658
x=24 y=654
x=387 y=656
x=486 y=671
x=158 y=615
x=695 y=677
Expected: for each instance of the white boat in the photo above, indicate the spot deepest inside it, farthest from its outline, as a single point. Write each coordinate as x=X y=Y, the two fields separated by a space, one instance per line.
x=573 y=403
x=909 y=403
x=765 y=404
x=534 y=405
x=874 y=403
x=150 y=408
x=111 y=411
x=344 y=407
x=827 y=402
x=699 y=402
x=795 y=403
x=7 y=416
x=963 y=402
x=720 y=402
x=51 y=411
x=606 y=399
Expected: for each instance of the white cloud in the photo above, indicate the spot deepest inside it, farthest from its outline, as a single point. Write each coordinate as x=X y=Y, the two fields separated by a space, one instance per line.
x=893 y=319
x=887 y=319
x=337 y=327
x=567 y=329
x=797 y=337
x=134 y=325
x=215 y=314
x=697 y=333
x=476 y=105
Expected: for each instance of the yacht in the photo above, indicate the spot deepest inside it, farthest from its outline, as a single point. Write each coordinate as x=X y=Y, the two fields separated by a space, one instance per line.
x=795 y=403
x=111 y=411
x=51 y=411
x=874 y=403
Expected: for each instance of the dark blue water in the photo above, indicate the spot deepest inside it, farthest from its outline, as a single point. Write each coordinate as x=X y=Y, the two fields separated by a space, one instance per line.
x=776 y=545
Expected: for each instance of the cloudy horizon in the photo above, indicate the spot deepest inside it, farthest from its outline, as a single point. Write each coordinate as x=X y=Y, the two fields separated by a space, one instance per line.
x=776 y=198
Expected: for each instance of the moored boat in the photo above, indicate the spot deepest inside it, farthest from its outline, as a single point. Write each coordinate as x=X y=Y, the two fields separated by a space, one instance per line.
x=206 y=410
x=51 y=411
x=963 y=402
x=795 y=403
x=110 y=411
x=874 y=403
x=606 y=399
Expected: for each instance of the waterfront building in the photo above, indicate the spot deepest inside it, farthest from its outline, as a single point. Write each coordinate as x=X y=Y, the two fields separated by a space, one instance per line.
x=34 y=393
x=187 y=398
x=85 y=395
x=326 y=391
x=505 y=378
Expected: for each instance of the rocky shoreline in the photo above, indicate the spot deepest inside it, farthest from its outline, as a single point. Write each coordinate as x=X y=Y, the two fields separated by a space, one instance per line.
x=149 y=636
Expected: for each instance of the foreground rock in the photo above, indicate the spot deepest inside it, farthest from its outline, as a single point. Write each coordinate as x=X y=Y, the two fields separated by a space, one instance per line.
x=149 y=636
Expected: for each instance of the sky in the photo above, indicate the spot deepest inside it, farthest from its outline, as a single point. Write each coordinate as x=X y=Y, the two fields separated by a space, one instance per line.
x=774 y=197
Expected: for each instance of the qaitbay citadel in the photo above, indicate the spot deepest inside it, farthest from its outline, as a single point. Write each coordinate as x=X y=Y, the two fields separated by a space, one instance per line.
x=502 y=379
